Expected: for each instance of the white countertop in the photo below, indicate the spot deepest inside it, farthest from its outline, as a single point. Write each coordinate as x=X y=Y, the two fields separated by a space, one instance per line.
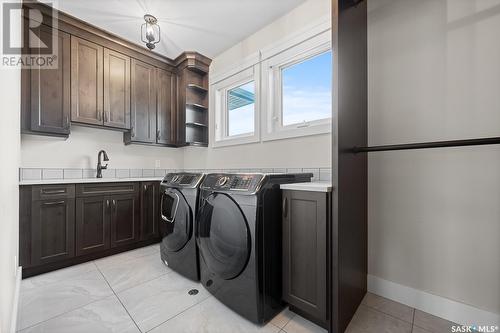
x=320 y=186
x=88 y=180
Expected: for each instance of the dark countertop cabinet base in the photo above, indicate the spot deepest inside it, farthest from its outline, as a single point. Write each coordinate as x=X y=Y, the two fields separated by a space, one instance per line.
x=64 y=225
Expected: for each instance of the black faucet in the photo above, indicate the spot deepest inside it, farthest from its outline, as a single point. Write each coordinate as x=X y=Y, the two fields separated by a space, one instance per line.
x=100 y=167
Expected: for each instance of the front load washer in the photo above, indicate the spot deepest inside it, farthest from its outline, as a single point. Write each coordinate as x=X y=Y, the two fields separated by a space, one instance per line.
x=239 y=240
x=179 y=197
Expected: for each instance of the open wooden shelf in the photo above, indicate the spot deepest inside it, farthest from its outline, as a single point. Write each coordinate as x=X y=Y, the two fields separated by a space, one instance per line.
x=197 y=88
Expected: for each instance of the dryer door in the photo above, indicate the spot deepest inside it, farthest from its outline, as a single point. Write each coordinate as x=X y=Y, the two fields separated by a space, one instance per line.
x=177 y=220
x=223 y=236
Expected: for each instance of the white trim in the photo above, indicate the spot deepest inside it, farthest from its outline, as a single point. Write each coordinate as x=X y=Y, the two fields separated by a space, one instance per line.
x=219 y=107
x=15 y=301
x=448 y=309
x=247 y=62
x=272 y=128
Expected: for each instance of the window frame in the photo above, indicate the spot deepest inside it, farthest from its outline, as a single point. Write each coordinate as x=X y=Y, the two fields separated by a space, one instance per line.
x=220 y=91
x=272 y=69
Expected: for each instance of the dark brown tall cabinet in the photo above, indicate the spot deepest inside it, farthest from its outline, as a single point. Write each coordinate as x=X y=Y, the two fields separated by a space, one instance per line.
x=46 y=92
x=305 y=260
x=166 y=99
x=348 y=235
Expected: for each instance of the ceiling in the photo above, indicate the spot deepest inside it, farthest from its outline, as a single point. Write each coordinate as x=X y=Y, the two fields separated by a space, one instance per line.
x=206 y=26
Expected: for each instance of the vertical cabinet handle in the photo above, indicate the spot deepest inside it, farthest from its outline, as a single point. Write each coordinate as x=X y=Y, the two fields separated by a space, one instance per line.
x=114 y=203
x=105 y=117
x=132 y=132
x=99 y=116
x=107 y=203
x=66 y=122
x=145 y=187
x=158 y=134
x=285 y=207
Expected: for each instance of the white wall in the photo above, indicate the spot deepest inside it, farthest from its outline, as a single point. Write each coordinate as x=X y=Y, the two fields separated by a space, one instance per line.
x=312 y=151
x=80 y=151
x=434 y=215
x=10 y=97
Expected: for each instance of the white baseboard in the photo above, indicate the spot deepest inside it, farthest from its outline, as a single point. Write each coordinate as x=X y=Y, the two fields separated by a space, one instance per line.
x=15 y=301
x=454 y=311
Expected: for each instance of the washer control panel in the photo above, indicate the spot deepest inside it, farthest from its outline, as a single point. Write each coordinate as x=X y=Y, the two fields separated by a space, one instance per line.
x=183 y=179
x=248 y=183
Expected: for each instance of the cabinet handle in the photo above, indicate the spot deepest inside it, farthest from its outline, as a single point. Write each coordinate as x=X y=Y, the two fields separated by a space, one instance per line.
x=285 y=207
x=99 y=116
x=53 y=203
x=132 y=132
x=107 y=203
x=105 y=117
x=145 y=187
x=114 y=203
x=66 y=122
x=158 y=134
x=52 y=191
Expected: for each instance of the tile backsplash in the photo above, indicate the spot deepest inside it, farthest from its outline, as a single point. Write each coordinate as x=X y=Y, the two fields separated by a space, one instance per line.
x=27 y=174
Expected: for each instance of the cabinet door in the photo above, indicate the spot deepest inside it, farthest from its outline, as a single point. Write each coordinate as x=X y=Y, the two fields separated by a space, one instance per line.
x=92 y=224
x=116 y=89
x=143 y=103
x=304 y=251
x=50 y=89
x=52 y=230
x=125 y=219
x=150 y=200
x=86 y=82
x=165 y=107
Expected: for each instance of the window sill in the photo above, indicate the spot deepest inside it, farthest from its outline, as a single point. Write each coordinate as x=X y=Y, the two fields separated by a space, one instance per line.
x=298 y=132
x=235 y=141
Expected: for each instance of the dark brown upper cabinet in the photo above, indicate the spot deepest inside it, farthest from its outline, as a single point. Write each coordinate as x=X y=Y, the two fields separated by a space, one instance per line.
x=143 y=103
x=192 y=101
x=305 y=259
x=116 y=90
x=165 y=107
x=86 y=82
x=46 y=92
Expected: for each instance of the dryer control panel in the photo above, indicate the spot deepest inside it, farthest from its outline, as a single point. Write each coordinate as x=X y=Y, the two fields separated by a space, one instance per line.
x=183 y=179
x=248 y=183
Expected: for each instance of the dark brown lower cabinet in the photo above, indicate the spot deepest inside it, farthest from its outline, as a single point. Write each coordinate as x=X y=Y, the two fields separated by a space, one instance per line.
x=305 y=259
x=150 y=210
x=92 y=224
x=52 y=230
x=125 y=219
x=66 y=224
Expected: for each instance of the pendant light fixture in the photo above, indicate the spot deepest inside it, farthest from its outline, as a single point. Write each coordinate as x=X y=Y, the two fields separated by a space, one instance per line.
x=150 y=31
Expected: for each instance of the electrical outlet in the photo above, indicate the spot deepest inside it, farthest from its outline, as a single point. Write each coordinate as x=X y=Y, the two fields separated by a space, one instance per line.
x=157 y=164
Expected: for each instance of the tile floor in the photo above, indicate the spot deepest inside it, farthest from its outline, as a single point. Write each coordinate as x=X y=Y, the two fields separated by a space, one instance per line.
x=135 y=292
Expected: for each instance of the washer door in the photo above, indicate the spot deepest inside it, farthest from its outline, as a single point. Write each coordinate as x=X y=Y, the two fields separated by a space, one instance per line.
x=223 y=236
x=177 y=220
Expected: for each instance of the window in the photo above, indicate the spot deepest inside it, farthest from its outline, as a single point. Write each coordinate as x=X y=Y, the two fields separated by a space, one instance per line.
x=237 y=108
x=241 y=109
x=299 y=90
x=307 y=90
x=282 y=91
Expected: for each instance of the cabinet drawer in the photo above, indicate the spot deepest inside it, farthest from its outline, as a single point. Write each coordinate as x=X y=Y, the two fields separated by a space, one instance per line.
x=42 y=192
x=87 y=190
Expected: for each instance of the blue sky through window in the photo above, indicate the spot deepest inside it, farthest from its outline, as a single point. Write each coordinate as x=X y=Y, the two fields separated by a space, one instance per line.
x=307 y=90
x=241 y=109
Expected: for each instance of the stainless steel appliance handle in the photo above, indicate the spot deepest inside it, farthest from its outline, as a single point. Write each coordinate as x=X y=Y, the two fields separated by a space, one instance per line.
x=176 y=206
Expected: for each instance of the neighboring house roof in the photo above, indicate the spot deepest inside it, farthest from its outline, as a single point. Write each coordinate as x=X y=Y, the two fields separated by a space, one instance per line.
x=240 y=97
